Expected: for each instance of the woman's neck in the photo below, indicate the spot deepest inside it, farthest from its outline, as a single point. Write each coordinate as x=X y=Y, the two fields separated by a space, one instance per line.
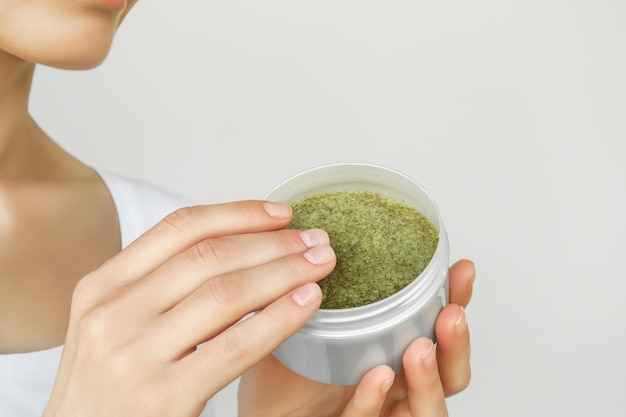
x=15 y=81
x=27 y=153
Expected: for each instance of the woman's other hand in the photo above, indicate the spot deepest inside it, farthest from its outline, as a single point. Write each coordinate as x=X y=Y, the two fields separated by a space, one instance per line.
x=431 y=373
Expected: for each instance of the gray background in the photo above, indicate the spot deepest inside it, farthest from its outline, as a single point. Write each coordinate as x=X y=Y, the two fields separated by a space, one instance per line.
x=511 y=113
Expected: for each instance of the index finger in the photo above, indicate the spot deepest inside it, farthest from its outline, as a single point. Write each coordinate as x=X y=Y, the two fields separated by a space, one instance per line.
x=187 y=226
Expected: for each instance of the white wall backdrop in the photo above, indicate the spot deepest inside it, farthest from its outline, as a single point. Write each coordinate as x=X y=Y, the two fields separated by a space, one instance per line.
x=512 y=113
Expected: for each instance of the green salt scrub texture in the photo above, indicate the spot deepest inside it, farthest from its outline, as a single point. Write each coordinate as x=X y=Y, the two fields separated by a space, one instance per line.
x=382 y=244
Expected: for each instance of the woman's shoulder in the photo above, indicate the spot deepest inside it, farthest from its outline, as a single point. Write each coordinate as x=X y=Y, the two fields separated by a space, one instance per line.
x=139 y=204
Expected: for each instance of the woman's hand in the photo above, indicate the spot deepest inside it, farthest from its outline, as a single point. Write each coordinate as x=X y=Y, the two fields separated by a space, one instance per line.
x=136 y=321
x=431 y=373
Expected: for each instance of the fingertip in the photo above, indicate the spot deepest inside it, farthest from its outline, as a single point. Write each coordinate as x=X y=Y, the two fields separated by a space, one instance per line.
x=464 y=269
x=460 y=324
x=462 y=277
x=378 y=375
x=277 y=209
x=386 y=375
x=420 y=353
x=371 y=393
x=451 y=323
x=308 y=294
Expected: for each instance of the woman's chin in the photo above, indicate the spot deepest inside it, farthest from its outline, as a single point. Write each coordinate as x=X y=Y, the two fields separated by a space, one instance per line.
x=74 y=41
x=73 y=60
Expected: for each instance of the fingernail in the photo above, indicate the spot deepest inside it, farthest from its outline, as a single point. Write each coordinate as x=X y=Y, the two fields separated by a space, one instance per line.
x=276 y=209
x=320 y=254
x=428 y=358
x=386 y=385
x=306 y=294
x=314 y=237
x=460 y=325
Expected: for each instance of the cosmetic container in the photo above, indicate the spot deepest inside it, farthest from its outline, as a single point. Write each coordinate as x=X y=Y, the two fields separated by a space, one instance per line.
x=339 y=346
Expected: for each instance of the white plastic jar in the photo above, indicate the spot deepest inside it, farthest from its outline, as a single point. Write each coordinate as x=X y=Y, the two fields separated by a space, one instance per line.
x=340 y=346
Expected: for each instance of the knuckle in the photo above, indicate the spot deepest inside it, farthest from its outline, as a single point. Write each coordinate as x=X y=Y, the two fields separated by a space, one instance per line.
x=286 y=239
x=82 y=294
x=180 y=219
x=246 y=208
x=224 y=290
x=97 y=317
x=295 y=268
x=97 y=324
x=236 y=345
x=284 y=323
x=458 y=384
x=209 y=251
x=87 y=293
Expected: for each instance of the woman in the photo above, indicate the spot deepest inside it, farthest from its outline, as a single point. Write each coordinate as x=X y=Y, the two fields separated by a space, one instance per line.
x=104 y=296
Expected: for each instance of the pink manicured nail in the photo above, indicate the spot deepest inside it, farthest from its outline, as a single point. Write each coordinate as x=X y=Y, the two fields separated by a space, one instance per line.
x=314 y=237
x=276 y=209
x=306 y=294
x=320 y=254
